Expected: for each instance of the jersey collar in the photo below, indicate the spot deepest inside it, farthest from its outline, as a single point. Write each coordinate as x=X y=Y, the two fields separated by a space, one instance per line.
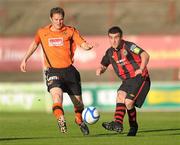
x=121 y=45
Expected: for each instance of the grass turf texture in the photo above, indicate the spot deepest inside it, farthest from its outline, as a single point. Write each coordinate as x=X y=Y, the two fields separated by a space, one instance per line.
x=155 y=128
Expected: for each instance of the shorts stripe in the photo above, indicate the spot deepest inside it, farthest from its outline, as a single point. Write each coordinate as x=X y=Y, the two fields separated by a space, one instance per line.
x=140 y=89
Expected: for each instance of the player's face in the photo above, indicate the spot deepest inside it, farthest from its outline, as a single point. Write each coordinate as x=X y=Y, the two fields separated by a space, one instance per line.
x=57 y=21
x=114 y=39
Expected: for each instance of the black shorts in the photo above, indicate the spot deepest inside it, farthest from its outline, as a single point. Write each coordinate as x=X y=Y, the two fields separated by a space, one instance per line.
x=136 y=88
x=68 y=79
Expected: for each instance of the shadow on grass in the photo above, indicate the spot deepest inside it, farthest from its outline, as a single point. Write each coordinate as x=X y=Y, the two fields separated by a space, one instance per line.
x=160 y=130
x=23 y=138
x=140 y=131
x=108 y=134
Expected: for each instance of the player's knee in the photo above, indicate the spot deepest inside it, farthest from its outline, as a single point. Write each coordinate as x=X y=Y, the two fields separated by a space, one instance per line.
x=129 y=104
x=56 y=94
x=121 y=97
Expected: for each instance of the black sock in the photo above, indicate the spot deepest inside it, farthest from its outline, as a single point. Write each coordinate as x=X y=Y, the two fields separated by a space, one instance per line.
x=132 y=117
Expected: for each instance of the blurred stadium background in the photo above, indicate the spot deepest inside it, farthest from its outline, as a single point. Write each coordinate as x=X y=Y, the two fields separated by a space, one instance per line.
x=153 y=25
x=25 y=105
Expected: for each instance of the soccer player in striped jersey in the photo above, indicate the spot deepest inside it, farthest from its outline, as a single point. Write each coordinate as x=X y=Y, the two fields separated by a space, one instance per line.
x=58 y=43
x=129 y=62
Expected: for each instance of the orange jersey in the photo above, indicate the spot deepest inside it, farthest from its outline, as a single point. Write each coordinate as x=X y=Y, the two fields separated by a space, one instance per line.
x=58 y=47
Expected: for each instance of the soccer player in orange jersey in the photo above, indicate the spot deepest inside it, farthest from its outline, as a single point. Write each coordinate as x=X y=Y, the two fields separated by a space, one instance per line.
x=58 y=43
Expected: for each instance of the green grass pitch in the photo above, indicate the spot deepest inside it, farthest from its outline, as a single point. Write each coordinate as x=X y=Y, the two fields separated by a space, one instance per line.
x=155 y=128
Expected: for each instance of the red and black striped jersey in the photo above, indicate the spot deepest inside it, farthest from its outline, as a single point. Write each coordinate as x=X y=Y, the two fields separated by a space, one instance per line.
x=125 y=59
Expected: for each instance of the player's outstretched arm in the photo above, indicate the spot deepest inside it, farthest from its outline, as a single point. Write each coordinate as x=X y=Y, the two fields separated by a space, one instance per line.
x=86 y=46
x=144 y=61
x=100 y=70
x=33 y=46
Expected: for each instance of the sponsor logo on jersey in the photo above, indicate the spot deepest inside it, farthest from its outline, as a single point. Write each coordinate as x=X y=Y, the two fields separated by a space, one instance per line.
x=55 y=41
x=53 y=78
x=121 y=61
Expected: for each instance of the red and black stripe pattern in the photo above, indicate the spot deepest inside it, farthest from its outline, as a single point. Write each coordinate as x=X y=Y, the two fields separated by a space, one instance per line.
x=124 y=61
x=120 y=112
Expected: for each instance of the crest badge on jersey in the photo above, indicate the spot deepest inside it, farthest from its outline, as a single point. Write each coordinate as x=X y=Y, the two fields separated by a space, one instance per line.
x=125 y=52
x=64 y=33
x=56 y=41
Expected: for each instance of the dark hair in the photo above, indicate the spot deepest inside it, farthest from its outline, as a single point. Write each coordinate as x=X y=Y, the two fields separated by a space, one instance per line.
x=57 y=10
x=115 y=29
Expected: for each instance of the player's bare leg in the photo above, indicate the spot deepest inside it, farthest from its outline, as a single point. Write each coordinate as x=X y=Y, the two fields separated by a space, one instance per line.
x=57 y=97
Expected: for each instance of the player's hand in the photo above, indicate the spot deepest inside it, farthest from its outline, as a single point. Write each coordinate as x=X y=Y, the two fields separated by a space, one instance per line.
x=90 y=46
x=138 y=71
x=86 y=46
x=23 y=66
x=98 y=71
x=101 y=70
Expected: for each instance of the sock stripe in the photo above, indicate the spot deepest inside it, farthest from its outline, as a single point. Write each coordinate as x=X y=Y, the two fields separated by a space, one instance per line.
x=120 y=112
x=120 y=104
x=119 y=117
x=58 y=108
x=120 y=108
x=120 y=121
x=78 y=110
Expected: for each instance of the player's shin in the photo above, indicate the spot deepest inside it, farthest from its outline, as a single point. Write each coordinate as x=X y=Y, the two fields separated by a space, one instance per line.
x=132 y=117
x=78 y=109
x=59 y=114
x=132 y=122
x=58 y=110
x=78 y=114
x=120 y=112
x=117 y=125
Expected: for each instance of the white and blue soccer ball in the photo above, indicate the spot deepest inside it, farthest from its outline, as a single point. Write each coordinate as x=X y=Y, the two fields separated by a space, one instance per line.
x=90 y=115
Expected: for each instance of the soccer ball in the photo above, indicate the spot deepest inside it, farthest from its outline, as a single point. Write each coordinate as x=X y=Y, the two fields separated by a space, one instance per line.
x=90 y=115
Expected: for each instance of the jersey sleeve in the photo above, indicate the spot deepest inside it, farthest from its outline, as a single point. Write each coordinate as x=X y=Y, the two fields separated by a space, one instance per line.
x=134 y=48
x=37 y=38
x=77 y=37
x=105 y=60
